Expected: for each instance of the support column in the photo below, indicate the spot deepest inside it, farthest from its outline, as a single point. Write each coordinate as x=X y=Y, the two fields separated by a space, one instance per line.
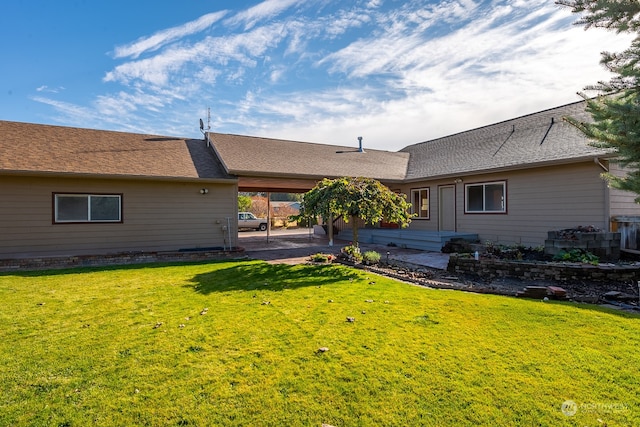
x=268 y=215
x=330 y=229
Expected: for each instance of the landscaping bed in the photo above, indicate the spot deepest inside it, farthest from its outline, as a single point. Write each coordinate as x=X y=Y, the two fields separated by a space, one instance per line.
x=615 y=284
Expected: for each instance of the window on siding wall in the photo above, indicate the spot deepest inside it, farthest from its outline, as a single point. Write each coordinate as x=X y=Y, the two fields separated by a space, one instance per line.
x=420 y=202
x=489 y=197
x=87 y=208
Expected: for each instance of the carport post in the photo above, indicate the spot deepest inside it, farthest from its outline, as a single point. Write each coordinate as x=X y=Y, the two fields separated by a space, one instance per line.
x=330 y=229
x=268 y=215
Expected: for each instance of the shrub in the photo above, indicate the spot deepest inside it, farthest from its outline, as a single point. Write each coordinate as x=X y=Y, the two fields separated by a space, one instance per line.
x=320 y=257
x=577 y=255
x=371 y=257
x=352 y=253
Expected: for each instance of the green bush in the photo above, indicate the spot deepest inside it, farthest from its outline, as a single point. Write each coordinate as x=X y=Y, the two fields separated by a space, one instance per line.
x=320 y=257
x=371 y=257
x=577 y=255
x=352 y=253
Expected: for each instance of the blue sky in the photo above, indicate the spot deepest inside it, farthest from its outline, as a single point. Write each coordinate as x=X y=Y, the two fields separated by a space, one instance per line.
x=394 y=72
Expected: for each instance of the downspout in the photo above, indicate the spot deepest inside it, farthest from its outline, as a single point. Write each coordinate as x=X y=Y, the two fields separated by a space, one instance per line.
x=607 y=195
x=597 y=161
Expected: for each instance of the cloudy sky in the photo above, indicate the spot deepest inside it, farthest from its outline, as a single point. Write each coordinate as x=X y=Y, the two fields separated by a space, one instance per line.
x=394 y=72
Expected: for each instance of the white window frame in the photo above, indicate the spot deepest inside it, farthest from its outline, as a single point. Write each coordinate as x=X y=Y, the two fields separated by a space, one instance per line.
x=484 y=210
x=421 y=201
x=88 y=218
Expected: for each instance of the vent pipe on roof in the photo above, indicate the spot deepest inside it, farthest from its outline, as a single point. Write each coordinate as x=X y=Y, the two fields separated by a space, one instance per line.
x=548 y=130
x=360 y=149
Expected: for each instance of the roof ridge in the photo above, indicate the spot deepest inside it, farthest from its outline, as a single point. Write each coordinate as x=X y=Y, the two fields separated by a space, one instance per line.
x=182 y=138
x=299 y=142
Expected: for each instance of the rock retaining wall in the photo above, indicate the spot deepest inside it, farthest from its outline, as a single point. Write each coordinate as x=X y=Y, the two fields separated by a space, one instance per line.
x=491 y=269
x=125 y=258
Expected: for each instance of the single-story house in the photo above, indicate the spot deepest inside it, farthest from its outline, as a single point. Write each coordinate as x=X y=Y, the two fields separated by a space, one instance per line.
x=288 y=207
x=69 y=191
x=509 y=182
x=513 y=181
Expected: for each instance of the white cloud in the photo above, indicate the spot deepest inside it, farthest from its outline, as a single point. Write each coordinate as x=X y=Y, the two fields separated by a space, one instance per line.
x=260 y=12
x=395 y=72
x=160 y=69
x=161 y=38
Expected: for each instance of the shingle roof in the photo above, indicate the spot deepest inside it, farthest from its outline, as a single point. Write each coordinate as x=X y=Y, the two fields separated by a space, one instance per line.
x=245 y=155
x=34 y=148
x=526 y=141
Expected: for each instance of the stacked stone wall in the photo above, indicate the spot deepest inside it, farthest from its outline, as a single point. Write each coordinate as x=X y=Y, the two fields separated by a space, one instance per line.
x=491 y=269
x=125 y=258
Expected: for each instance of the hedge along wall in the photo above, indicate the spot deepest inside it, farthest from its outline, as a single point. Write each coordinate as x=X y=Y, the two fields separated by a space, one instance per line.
x=549 y=271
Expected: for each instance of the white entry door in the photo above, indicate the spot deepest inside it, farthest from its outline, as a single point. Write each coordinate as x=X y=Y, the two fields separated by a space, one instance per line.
x=447 y=208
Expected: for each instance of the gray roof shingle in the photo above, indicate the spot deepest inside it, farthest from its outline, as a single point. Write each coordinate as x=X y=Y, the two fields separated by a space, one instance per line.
x=527 y=141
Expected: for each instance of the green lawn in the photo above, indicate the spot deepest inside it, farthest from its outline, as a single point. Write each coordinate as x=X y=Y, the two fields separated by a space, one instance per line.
x=128 y=346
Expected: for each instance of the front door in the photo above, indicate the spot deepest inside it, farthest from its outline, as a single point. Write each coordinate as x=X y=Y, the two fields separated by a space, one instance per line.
x=447 y=208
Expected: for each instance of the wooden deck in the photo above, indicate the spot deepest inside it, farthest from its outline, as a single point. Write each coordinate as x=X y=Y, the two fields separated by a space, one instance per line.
x=405 y=238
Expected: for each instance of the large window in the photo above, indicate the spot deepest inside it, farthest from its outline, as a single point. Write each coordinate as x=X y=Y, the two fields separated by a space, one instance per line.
x=490 y=197
x=87 y=208
x=420 y=202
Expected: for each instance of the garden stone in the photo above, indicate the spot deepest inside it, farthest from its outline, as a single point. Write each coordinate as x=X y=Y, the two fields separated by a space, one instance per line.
x=612 y=294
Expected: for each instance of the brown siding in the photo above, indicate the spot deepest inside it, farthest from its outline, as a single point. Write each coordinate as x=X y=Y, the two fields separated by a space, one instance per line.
x=538 y=200
x=156 y=216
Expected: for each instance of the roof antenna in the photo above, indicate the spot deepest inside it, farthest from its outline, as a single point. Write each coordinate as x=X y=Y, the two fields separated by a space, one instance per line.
x=206 y=134
x=360 y=149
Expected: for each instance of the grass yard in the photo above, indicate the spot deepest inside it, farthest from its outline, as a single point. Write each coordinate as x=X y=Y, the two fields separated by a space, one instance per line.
x=128 y=346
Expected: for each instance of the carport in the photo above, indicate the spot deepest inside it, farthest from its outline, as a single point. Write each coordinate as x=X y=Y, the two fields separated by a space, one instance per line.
x=278 y=166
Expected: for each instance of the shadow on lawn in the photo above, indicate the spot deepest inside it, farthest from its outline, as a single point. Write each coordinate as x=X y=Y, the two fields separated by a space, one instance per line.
x=274 y=277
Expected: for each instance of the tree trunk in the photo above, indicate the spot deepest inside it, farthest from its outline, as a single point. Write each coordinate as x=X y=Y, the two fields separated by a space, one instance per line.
x=354 y=228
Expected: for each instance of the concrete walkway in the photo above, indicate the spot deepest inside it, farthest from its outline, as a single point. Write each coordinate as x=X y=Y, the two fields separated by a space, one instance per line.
x=295 y=248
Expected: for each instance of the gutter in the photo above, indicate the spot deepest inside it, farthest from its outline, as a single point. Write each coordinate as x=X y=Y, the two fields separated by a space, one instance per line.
x=117 y=177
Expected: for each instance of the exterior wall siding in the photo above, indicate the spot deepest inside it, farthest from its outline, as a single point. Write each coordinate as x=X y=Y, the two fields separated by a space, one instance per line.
x=622 y=202
x=538 y=200
x=157 y=216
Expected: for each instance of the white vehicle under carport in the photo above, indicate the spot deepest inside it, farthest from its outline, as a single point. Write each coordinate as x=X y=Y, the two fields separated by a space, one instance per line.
x=249 y=220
